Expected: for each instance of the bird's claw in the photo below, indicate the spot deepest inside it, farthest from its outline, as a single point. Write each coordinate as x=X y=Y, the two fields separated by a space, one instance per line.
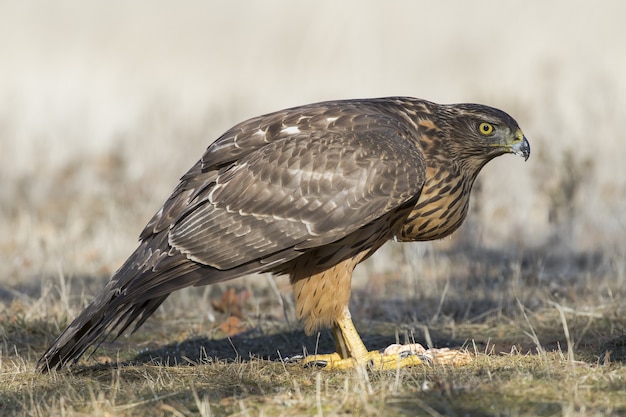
x=374 y=360
x=393 y=357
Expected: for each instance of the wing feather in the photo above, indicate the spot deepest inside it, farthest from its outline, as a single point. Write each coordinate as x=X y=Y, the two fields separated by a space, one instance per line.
x=302 y=191
x=337 y=117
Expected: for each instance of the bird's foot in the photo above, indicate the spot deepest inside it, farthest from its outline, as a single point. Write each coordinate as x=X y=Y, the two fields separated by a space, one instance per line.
x=393 y=357
x=373 y=360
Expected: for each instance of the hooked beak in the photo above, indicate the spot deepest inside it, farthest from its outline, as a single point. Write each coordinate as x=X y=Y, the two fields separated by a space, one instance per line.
x=521 y=147
x=518 y=145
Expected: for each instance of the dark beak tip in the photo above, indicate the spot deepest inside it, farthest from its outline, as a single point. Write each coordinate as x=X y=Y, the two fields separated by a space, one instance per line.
x=526 y=149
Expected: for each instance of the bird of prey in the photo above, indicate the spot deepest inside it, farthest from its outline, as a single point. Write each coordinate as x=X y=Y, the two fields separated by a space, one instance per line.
x=309 y=192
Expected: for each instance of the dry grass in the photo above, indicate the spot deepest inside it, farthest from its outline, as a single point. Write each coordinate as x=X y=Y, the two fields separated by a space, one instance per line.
x=97 y=123
x=545 y=344
x=170 y=367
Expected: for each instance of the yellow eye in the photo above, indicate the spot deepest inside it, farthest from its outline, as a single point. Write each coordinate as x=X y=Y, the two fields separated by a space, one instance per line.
x=485 y=128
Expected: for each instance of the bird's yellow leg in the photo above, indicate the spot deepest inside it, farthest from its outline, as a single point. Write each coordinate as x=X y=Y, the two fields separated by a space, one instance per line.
x=352 y=352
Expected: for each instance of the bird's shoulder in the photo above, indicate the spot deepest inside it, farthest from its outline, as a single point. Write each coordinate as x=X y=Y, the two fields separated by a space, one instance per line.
x=312 y=121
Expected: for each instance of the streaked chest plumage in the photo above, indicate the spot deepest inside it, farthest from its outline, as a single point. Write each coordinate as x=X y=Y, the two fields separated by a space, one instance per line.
x=441 y=207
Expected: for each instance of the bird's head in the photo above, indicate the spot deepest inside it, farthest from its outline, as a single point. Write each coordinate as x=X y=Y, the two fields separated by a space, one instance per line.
x=479 y=133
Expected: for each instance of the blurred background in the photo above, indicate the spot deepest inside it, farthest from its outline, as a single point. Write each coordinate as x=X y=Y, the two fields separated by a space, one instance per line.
x=104 y=105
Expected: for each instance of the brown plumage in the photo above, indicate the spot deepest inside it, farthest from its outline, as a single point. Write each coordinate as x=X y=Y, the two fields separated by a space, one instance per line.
x=310 y=192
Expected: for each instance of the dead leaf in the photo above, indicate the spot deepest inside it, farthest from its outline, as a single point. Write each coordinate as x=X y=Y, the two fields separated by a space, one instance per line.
x=232 y=326
x=232 y=302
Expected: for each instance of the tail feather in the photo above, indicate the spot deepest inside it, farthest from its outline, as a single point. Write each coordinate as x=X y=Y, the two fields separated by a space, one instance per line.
x=134 y=292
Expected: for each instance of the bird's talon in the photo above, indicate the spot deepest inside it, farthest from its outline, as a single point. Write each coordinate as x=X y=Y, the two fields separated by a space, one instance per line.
x=406 y=354
x=316 y=364
x=293 y=359
x=426 y=360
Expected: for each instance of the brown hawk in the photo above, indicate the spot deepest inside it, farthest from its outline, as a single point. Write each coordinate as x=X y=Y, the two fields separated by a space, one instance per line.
x=309 y=192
